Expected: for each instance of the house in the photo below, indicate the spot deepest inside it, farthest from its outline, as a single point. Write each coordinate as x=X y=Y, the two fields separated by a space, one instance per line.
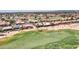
x=47 y=23
x=19 y=22
x=7 y=28
x=17 y=27
x=27 y=26
x=3 y=23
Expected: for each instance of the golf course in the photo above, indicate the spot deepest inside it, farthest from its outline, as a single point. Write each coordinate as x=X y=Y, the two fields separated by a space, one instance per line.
x=41 y=39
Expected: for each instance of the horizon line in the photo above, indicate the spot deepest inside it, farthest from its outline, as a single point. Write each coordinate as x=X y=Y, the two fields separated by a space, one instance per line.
x=8 y=11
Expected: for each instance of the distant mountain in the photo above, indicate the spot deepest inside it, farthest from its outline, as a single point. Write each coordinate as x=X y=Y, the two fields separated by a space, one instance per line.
x=37 y=11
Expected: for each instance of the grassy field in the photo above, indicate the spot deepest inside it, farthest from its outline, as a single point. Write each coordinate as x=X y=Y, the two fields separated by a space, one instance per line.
x=43 y=39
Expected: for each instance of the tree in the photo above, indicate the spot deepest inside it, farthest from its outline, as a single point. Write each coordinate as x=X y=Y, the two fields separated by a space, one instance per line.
x=3 y=19
x=11 y=21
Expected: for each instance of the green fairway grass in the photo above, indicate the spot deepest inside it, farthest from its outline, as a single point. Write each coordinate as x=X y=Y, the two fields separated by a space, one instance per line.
x=61 y=39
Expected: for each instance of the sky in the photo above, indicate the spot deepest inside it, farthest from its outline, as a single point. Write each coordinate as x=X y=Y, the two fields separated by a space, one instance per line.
x=39 y=4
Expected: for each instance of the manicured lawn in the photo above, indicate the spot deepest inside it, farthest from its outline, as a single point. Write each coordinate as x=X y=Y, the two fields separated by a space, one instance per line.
x=43 y=39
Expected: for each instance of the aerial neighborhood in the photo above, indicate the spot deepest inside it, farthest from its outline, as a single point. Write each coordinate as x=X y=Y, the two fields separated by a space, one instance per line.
x=40 y=30
x=29 y=20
